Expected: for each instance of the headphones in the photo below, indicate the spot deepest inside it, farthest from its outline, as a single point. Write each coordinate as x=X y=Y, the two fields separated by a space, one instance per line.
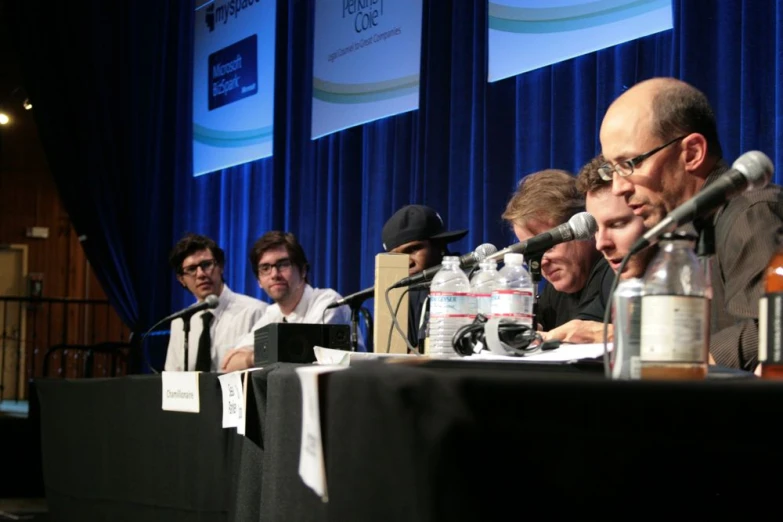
x=501 y=336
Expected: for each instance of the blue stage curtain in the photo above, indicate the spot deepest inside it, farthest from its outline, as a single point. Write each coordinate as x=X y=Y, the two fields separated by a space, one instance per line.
x=462 y=152
x=111 y=84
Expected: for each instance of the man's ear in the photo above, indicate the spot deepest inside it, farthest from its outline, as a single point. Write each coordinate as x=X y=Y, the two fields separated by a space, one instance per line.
x=694 y=148
x=181 y=280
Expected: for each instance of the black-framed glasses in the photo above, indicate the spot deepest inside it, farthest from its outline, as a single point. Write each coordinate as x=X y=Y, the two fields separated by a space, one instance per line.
x=625 y=168
x=206 y=266
x=282 y=265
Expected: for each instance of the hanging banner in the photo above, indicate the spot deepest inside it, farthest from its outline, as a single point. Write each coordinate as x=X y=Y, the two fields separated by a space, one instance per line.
x=528 y=34
x=233 y=83
x=366 y=60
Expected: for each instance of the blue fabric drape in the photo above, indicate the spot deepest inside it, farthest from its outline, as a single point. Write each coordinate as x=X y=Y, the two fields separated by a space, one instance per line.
x=462 y=152
x=111 y=85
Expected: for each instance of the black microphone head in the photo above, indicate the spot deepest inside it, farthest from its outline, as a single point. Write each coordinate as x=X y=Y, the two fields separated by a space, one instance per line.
x=583 y=225
x=756 y=167
x=212 y=301
x=484 y=251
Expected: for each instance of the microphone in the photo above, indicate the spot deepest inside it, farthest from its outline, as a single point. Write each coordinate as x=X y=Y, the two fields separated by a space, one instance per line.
x=580 y=226
x=751 y=171
x=468 y=260
x=210 y=302
x=367 y=293
x=354 y=298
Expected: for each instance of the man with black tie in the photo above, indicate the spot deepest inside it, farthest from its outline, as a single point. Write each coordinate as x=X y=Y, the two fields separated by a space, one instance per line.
x=198 y=263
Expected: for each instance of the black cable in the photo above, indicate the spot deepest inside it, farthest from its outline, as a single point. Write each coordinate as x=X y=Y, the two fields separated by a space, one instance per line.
x=518 y=338
x=396 y=325
x=396 y=309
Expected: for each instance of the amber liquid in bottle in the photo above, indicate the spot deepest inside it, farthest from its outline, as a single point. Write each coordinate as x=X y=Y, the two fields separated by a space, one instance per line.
x=773 y=284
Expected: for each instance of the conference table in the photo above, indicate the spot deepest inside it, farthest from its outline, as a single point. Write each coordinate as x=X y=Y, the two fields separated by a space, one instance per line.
x=421 y=441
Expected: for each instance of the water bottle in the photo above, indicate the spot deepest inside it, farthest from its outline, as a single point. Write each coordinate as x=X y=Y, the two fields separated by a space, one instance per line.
x=451 y=306
x=675 y=333
x=513 y=295
x=483 y=284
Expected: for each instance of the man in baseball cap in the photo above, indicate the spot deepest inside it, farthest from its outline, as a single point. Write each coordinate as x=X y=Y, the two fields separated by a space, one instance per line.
x=418 y=231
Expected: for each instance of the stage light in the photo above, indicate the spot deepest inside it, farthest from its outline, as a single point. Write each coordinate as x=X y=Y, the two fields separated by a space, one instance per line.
x=27 y=105
x=4 y=119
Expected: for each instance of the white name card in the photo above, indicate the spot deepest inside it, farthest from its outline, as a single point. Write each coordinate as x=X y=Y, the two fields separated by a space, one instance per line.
x=233 y=387
x=180 y=391
x=311 y=453
x=233 y=399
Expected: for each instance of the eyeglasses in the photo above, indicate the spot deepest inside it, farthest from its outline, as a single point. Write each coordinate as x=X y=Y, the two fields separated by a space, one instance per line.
x=625 y=168
x=206 y=266
x=283 y=265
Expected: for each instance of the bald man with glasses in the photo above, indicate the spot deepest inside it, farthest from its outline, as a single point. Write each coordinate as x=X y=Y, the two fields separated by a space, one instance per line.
x=198 y=263
x=281 y=267
x=661 y=146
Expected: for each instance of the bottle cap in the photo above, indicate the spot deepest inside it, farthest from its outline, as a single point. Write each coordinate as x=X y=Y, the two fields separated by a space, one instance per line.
x=514 y=259
x=679 y=235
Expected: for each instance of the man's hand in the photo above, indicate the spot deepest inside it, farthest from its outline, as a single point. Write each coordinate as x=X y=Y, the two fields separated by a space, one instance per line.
x=580 y=332
x=237 y=359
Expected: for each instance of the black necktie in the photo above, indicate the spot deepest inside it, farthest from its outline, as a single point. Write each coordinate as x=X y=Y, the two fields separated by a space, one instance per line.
x=204 y=357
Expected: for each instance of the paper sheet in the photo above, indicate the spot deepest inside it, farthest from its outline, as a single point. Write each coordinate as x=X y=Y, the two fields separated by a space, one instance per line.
x=311 y=453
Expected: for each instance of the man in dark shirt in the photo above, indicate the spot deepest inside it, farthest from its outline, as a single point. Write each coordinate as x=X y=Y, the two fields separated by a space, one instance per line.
x=418 y=231
x=661 y=144
x=577 y=278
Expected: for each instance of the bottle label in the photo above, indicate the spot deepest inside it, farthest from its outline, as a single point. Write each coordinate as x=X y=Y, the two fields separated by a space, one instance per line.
x=771 y=328
x=675 y=328
x=515 y=304
x=451 y=305
x=484 y=304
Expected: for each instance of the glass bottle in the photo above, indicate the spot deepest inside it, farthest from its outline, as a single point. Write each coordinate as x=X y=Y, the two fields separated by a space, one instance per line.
x=675 y=334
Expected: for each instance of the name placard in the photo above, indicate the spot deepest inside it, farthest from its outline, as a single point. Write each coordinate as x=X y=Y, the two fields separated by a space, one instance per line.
x=233 y=399
x=180 y=391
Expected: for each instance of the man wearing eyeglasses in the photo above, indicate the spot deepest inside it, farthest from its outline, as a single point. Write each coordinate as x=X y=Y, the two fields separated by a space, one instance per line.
x=661 y=145
x=281 y=267
x=198 y=263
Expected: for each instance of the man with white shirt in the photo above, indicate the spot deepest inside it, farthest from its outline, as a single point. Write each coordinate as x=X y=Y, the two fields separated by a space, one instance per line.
x=281 y=267
x=198 y=263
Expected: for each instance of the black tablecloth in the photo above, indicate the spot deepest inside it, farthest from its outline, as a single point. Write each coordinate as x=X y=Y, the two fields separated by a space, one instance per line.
x=420 y=444
x=439 y=441
x=110 y=452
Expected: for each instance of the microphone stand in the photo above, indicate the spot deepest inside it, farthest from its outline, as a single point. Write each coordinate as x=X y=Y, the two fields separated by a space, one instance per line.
x=186 y=329
x=534 y=263
x=355 y=326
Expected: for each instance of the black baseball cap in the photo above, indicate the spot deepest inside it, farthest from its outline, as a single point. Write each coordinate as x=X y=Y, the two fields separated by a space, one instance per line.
x=416 y=223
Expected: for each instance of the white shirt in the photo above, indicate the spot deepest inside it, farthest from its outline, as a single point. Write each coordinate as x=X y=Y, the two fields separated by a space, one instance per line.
x=310 y=309
x=235 y=316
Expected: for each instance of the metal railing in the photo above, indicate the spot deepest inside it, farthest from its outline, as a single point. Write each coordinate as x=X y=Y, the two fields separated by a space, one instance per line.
x=48 y=337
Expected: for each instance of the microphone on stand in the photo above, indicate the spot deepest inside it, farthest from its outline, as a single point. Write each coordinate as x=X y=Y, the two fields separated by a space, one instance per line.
x=580 y=226
x=353 y=299
x=466 y=261
x=209 y=302
x=751 y=171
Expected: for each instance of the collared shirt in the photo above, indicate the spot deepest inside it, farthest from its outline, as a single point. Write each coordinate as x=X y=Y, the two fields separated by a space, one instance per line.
x=747 y=231
x=235 y=316
x=310 y=309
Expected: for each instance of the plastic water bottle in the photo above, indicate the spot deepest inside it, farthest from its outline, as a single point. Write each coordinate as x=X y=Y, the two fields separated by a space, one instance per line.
x=513 y=296
x=483 y=284
x=451 y=306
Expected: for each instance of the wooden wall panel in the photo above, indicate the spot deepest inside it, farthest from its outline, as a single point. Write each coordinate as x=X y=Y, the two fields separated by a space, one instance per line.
x=29 y=198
